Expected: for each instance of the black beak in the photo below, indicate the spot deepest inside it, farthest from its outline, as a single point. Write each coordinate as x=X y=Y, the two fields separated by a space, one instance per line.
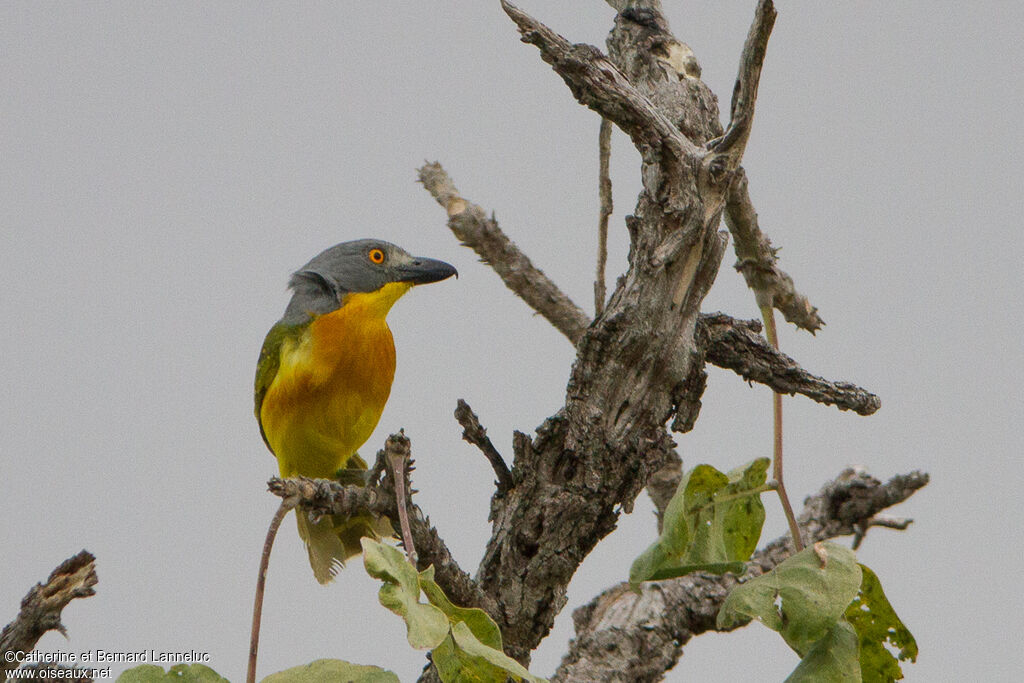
x=420 y=271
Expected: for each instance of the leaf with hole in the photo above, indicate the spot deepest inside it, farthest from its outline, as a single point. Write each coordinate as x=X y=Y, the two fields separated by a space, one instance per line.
x=711 y=524
x=877 y=625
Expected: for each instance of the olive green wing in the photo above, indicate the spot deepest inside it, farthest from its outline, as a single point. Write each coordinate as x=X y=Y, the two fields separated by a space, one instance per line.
x=268 y=364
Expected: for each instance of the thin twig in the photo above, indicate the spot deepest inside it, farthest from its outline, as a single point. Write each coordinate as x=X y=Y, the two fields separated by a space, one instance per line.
x=261 y=582
x=780 y=486
x=397 y=452
x=887 y=521
x=604 y=184
x=474 y=433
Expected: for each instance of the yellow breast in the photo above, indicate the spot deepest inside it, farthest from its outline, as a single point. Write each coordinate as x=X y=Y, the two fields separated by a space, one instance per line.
x=331 y=386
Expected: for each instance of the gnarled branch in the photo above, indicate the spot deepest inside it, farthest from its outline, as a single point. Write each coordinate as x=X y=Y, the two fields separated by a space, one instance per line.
x=623 y=636
x=737 y=347
x=41 y=607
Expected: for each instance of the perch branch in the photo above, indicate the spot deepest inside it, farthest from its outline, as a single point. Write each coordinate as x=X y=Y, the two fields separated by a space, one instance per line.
x=474 y=433
x=324 y=497
x=622 y=636
x=41 y=607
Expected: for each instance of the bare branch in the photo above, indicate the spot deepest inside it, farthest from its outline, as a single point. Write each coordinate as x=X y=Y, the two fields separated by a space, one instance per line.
x=328 y=497
x=474 y=433
x=41 y=607
x=471 y=225
x=757 y=260
x=622 y=636
x=598 y=84
x=727 y=346
x=739 y=348
x=744 y=95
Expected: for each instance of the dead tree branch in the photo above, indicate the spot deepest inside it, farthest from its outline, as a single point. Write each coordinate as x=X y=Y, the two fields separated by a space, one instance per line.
x=41 y=607
x=474 y=433
x=623 y=636
x=482 y=234
x=598 y=84
x=640 y=363
x=739 y=347
x=744 y=94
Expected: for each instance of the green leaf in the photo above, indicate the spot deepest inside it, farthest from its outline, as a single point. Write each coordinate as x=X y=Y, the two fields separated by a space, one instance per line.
x=332 y=670
x=712 y=523
x=462 y=658
x=833 y=659
x=739 y=521
x=802 y=598
x=876 y=623
x=181 y=673
x=478 y=621
x=427 y=626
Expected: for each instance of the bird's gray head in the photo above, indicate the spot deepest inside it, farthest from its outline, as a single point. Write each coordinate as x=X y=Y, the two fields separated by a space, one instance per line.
x=366 y=265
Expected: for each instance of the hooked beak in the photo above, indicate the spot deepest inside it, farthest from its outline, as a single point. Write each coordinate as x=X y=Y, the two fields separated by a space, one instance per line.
x=420 y=271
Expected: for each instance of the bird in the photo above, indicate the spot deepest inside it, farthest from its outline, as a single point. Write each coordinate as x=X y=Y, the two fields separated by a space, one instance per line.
x=324 y=375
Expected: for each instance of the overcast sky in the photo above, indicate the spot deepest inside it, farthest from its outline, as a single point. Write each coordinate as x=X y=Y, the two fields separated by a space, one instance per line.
x=165 y=166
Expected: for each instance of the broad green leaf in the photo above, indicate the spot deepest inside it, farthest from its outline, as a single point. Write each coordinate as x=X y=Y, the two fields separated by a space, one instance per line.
x=427 y=626
x=462 y=658
x=703 y=482
x=181 y=673
x=802 y=598
x=482 y=626
x=833 y=659
x=738 y=521
x=712 y=523
x=876 y=623
x=332 y=670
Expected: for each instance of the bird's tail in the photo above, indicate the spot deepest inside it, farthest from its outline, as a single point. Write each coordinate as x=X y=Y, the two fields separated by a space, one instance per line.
x=334 y=539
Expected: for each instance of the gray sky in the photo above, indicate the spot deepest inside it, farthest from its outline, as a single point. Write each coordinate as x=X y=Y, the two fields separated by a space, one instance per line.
x=164 y=167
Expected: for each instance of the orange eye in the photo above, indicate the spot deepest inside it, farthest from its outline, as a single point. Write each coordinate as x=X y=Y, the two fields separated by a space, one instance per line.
x=377 y=256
